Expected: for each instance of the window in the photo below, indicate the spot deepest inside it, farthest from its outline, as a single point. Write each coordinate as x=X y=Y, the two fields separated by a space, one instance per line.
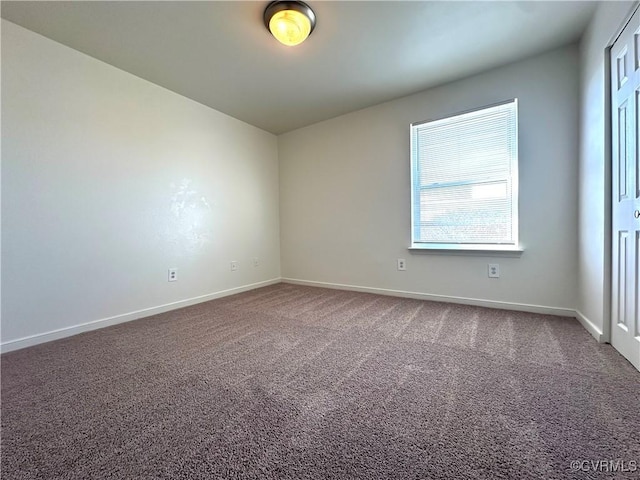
x=464 y=172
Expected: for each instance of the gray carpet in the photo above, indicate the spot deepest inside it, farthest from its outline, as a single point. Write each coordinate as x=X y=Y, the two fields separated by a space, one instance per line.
x=290 y=382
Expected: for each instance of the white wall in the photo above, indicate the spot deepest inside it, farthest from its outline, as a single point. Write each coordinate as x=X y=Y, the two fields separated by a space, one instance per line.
x=109 y=180
x=344 y=192
x=95 y=163
x=593 y=301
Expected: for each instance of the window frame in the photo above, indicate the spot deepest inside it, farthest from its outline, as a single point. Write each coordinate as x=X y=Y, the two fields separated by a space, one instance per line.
x=512 y=248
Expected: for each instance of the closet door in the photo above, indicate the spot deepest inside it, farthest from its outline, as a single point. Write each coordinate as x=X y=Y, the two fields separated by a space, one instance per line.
x=625 y=99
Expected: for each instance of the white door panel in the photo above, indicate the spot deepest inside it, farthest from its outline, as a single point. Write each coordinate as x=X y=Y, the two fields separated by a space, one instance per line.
x=625 y=124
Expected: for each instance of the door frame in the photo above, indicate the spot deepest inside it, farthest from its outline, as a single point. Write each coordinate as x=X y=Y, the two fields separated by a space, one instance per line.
x=608 y=180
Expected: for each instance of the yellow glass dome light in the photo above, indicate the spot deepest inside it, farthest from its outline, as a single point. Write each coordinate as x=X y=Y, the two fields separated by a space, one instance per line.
x=290 y=22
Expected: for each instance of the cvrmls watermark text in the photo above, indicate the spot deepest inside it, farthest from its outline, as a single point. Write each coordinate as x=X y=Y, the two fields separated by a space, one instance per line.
x=604 y=465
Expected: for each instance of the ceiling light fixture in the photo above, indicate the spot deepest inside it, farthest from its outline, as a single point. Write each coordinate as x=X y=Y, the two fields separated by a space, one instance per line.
x=291 y=22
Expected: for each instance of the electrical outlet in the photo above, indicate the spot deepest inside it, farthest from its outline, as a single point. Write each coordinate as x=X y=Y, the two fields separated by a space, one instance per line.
x=256 y=262
x=173 y=275
x=494 y=270
x=402 y=264
x=234 y=265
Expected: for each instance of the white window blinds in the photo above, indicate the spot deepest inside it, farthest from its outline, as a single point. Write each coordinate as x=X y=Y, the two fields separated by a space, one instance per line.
x=465 y=178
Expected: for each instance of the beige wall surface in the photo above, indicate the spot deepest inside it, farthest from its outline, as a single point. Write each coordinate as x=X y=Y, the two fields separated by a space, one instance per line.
x=108 y=181
x=345 y=192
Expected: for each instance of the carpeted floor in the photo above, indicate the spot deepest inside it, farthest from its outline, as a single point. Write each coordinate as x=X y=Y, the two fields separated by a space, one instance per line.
x=291 y=382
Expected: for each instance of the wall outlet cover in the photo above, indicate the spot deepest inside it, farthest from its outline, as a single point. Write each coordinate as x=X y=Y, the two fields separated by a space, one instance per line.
x=494 y=270
x=173 y=275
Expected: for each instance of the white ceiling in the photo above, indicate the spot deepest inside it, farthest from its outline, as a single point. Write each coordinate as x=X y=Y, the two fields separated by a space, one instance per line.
x=360 y=54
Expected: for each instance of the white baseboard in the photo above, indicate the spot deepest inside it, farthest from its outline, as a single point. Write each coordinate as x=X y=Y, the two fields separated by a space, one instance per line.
x=522 y=307
x=105 y=322
x=126 y=317
x=590 y=327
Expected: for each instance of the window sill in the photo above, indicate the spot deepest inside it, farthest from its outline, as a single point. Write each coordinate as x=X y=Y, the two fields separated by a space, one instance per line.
x=478 y=250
